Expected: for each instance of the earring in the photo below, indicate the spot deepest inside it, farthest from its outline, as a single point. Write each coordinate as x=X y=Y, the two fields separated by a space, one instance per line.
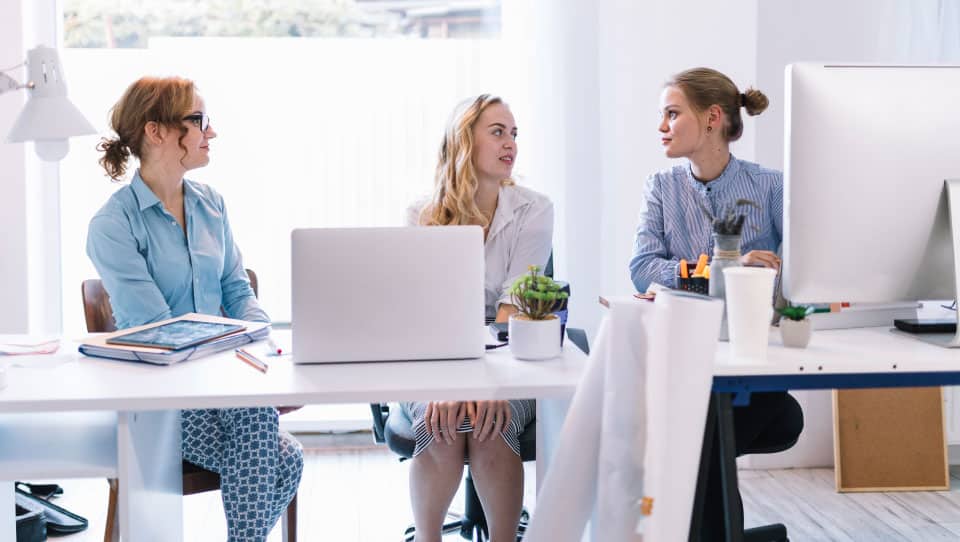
x=709 y=129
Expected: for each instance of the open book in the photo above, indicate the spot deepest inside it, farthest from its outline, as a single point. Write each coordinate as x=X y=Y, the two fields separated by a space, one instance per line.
x=100 y=345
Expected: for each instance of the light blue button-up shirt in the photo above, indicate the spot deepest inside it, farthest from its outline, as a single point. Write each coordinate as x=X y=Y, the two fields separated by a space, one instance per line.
x=152 y=271
x=674 y=226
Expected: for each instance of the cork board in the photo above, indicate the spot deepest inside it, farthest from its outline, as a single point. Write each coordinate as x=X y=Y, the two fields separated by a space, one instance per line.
x=890 y=439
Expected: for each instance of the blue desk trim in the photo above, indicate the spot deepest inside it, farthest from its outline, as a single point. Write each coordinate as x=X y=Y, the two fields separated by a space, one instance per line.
x=743 y=386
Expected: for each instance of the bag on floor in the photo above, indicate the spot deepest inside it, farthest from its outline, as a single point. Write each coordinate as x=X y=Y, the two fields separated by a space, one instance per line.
x=59 y=521
x=31 y=525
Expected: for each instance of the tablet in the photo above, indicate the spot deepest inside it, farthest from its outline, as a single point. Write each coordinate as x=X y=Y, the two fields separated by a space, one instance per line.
x=176 y=335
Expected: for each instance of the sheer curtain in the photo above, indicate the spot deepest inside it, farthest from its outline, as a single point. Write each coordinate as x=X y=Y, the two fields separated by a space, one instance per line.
x=929 y=31
x=312 y=132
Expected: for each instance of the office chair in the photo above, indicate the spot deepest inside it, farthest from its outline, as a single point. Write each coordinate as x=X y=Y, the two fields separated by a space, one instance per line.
x=99 y=317
x=395 y=429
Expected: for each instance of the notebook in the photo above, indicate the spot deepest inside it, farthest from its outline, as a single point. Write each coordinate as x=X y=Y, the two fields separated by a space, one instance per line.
x=245 y=332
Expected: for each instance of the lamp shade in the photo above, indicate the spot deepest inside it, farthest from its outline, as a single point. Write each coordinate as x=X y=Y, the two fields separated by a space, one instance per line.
x=48 y=116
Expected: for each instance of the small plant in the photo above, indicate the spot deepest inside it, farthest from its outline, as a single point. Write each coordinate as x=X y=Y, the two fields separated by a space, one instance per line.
x=729 y=221
x=796 y=312
x=535 y=295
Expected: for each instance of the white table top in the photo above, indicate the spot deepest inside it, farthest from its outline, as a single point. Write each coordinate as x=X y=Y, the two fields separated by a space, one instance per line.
x=68 y=380
x=837 y=351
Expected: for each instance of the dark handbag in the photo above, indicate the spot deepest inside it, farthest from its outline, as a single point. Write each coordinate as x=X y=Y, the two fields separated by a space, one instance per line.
x=31 y=525
x=59 y=521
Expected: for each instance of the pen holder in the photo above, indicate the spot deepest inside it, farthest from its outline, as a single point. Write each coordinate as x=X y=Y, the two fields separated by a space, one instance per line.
x=698 y=285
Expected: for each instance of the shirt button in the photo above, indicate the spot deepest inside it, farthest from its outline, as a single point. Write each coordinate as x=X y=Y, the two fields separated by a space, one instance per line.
x=174 y=223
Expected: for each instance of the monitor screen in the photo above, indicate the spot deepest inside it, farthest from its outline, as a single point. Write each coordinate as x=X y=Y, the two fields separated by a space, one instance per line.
x=868 y=149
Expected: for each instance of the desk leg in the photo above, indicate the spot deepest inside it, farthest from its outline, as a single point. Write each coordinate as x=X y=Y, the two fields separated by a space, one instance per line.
x=718 y=431
x=551 y=414
x=151 y=477
x=8 y=521
x=709 y=436
x=728 y=467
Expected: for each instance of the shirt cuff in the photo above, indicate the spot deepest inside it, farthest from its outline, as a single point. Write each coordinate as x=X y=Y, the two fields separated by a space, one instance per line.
x=671 y=273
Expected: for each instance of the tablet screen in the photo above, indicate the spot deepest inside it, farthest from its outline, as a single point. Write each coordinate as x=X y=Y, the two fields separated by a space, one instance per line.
x=176 y=335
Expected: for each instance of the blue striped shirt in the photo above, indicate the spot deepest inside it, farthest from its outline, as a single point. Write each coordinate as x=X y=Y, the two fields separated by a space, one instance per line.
x=674 y=226
x=153 y=271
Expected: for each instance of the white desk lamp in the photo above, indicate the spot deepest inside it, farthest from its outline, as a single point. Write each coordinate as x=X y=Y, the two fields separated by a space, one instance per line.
x=48 y=118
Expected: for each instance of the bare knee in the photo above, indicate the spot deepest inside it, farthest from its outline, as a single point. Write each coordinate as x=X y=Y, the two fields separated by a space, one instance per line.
x=441 y=454
x=491 y=453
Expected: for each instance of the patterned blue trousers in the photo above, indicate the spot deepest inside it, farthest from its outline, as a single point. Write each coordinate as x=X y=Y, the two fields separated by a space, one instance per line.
x=259 y=466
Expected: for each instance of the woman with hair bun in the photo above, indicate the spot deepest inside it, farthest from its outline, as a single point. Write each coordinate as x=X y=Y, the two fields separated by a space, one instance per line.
x=700 y=118
x=163 y=247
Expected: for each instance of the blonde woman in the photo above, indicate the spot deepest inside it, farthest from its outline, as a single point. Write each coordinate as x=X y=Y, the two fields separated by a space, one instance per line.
x=474 y=186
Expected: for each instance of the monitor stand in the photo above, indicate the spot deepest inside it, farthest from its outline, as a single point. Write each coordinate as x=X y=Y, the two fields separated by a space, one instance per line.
x=950 y=340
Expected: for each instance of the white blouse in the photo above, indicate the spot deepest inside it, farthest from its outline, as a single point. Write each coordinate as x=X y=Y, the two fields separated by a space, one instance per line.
x=520 y=235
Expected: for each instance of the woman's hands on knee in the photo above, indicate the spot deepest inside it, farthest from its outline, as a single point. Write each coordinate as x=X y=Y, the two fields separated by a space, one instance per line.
x=443 y=418
x=489 y=418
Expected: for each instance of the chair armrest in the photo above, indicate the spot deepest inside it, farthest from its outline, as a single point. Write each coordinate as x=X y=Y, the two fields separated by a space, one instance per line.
x=579 y=337
x=380 y=412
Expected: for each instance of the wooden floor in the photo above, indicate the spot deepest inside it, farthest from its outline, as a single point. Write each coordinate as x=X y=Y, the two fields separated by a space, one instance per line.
x=357 y=492
x=805 y=501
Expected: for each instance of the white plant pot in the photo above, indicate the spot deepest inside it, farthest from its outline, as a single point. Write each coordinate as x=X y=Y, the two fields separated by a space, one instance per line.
x=534 y=339
x=795 y=334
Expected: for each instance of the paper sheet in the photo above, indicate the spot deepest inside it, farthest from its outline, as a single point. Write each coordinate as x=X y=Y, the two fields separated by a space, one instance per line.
x=635 y=425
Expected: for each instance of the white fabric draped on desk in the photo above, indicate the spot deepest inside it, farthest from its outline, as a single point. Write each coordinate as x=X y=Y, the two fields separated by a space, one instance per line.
x=635 y=426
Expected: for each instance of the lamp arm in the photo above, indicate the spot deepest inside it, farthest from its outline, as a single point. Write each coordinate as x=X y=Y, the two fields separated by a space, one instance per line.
x=9 y=83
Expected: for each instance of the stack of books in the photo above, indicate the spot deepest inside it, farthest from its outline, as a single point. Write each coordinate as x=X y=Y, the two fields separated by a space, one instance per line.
x=186 y=337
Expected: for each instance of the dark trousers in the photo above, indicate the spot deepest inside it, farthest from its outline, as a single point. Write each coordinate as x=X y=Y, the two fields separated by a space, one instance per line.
x=772 y=422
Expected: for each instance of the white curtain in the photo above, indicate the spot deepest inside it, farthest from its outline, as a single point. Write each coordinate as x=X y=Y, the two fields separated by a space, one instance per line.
x=929 y=31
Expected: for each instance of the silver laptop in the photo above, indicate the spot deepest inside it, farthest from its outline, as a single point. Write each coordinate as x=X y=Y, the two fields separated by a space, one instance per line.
x=383 y=294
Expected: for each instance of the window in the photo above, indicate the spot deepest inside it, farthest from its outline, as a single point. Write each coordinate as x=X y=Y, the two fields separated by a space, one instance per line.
x=327 y=115
x=328 y=112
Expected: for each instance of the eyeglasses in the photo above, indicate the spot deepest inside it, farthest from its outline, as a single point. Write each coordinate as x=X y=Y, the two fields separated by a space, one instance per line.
x=200 y=120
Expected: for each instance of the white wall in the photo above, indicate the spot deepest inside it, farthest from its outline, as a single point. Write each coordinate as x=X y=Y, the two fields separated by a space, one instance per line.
x=816 y=30
x=882 y=31
x=598 y=69
x=13 y=242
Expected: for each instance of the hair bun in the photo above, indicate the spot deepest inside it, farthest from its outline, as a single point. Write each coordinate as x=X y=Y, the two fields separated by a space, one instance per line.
x=754 y=101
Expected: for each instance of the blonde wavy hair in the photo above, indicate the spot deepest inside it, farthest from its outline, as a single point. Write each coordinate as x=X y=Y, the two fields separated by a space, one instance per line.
x=455 y=182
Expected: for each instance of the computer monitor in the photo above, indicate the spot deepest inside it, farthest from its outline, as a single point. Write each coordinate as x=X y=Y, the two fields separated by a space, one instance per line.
x=868 y=149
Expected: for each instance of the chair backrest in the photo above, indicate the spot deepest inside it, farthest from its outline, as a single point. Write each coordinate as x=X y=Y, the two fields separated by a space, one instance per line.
x=98 y=312
x=96 y=307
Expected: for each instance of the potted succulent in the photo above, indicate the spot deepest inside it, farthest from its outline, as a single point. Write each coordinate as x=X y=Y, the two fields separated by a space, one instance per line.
x=534 y=331
x=795 y=327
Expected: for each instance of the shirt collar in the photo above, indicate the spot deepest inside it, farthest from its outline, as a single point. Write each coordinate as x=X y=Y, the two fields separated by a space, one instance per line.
x=146 y=198
x=729 y=173
x=509 y=201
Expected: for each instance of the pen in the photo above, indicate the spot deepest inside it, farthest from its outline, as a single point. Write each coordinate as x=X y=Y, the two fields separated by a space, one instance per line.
x=684 y=272
x=274 y=347
x=251 y=360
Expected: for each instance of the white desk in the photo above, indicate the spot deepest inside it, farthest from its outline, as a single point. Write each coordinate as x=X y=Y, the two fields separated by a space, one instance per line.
x=874 y=357
x=147 y=400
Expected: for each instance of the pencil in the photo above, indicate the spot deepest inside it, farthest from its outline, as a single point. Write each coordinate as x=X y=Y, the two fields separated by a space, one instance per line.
x=251 y=360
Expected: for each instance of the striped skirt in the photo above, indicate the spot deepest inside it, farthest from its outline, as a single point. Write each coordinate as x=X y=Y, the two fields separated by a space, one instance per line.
x=523 y=412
